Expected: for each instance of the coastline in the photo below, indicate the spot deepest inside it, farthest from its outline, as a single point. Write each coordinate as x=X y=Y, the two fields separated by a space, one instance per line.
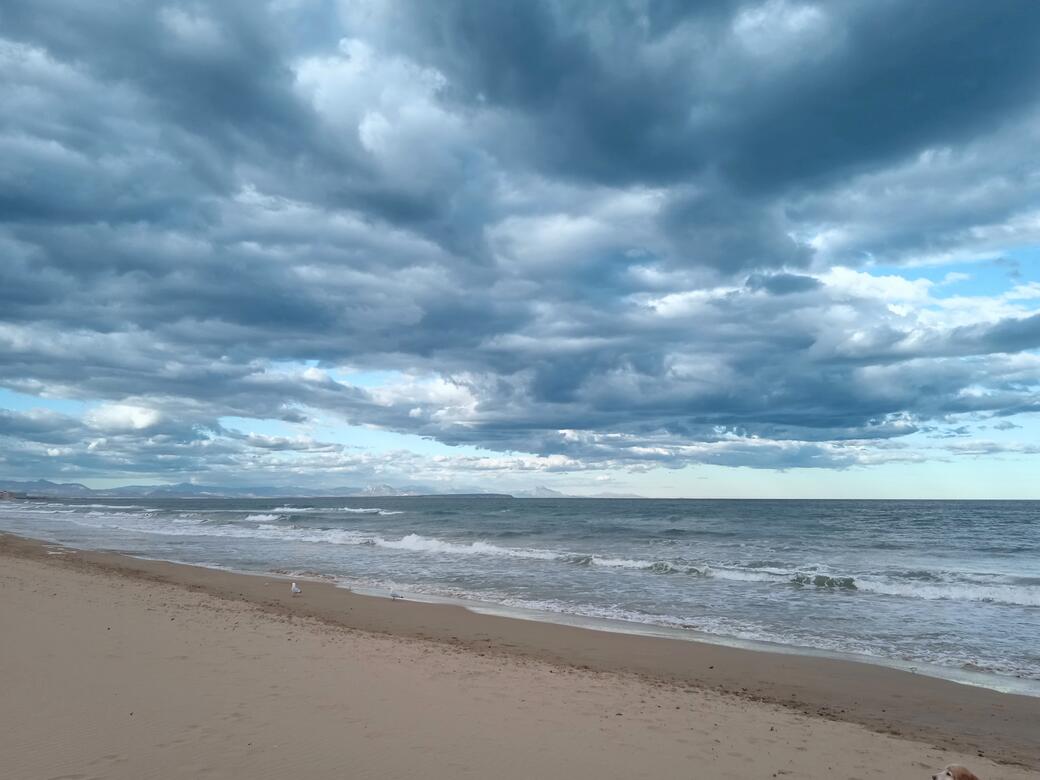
x=968 y=677
x=951 y=716
x=693 y=572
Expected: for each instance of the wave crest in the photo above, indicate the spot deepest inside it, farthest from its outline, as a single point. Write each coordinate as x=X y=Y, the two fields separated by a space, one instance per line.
x=427 y=544
x=352 y=510
x=823 y=581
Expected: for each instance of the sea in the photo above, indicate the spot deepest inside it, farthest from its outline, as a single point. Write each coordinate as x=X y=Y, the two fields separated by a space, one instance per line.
x=944 y=588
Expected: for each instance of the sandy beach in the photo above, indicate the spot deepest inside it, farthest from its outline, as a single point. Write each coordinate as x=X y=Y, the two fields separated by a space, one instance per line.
x=114 y=667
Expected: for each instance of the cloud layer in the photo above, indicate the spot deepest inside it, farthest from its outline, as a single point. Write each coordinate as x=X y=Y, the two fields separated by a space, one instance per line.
x=575 y=236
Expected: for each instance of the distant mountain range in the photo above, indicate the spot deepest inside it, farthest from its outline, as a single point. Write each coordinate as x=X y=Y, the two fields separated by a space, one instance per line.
x=43 y=487
x=544 y=492
x=46 y=488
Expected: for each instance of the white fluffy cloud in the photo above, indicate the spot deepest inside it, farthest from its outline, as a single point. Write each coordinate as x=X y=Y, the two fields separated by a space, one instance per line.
x=120 y=418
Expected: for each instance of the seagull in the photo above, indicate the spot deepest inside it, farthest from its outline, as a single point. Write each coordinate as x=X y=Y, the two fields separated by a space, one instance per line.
x=394 y=595
x=295 y=589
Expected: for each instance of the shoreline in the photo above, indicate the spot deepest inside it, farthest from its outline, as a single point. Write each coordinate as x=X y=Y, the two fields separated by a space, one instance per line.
x=967 y=675
x=951 y=715
x=976 y=679
x=1002 y=666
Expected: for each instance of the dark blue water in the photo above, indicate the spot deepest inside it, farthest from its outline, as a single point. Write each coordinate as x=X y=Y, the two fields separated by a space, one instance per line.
x=955 y=584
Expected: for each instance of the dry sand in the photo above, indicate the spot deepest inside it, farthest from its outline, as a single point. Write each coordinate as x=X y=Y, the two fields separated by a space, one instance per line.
x=112 y=667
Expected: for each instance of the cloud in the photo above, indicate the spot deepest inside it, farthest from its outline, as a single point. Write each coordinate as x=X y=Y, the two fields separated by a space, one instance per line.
x=611 y=235
x=123 y=417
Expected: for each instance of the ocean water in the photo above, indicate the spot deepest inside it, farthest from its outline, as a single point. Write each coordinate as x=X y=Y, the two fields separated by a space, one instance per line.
x=951 y=586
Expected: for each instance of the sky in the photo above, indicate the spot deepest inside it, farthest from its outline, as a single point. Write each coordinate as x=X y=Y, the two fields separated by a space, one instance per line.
x=734 y=249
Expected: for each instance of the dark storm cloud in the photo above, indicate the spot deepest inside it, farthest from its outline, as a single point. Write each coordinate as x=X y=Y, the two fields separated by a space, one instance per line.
x=47 y=428
x=1007 y=336
x=775 y=93
x=216 y=69
x=782 y=284
x=604 y=234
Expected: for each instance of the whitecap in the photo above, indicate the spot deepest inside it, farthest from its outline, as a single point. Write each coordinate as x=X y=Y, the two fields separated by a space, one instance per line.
x=419 y=543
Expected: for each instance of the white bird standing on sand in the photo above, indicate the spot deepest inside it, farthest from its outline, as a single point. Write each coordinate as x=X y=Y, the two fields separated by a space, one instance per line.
x=394 y=595
x=295 y=589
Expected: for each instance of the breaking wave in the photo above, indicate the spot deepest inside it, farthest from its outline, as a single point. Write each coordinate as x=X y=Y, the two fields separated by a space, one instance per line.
x=418 y=543
x=361 y=510
x=261 y=518
x=1024 y=596
x=276 y=525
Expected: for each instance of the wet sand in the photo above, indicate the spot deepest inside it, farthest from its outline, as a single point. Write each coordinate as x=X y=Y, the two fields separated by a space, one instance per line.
x=228 y=675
